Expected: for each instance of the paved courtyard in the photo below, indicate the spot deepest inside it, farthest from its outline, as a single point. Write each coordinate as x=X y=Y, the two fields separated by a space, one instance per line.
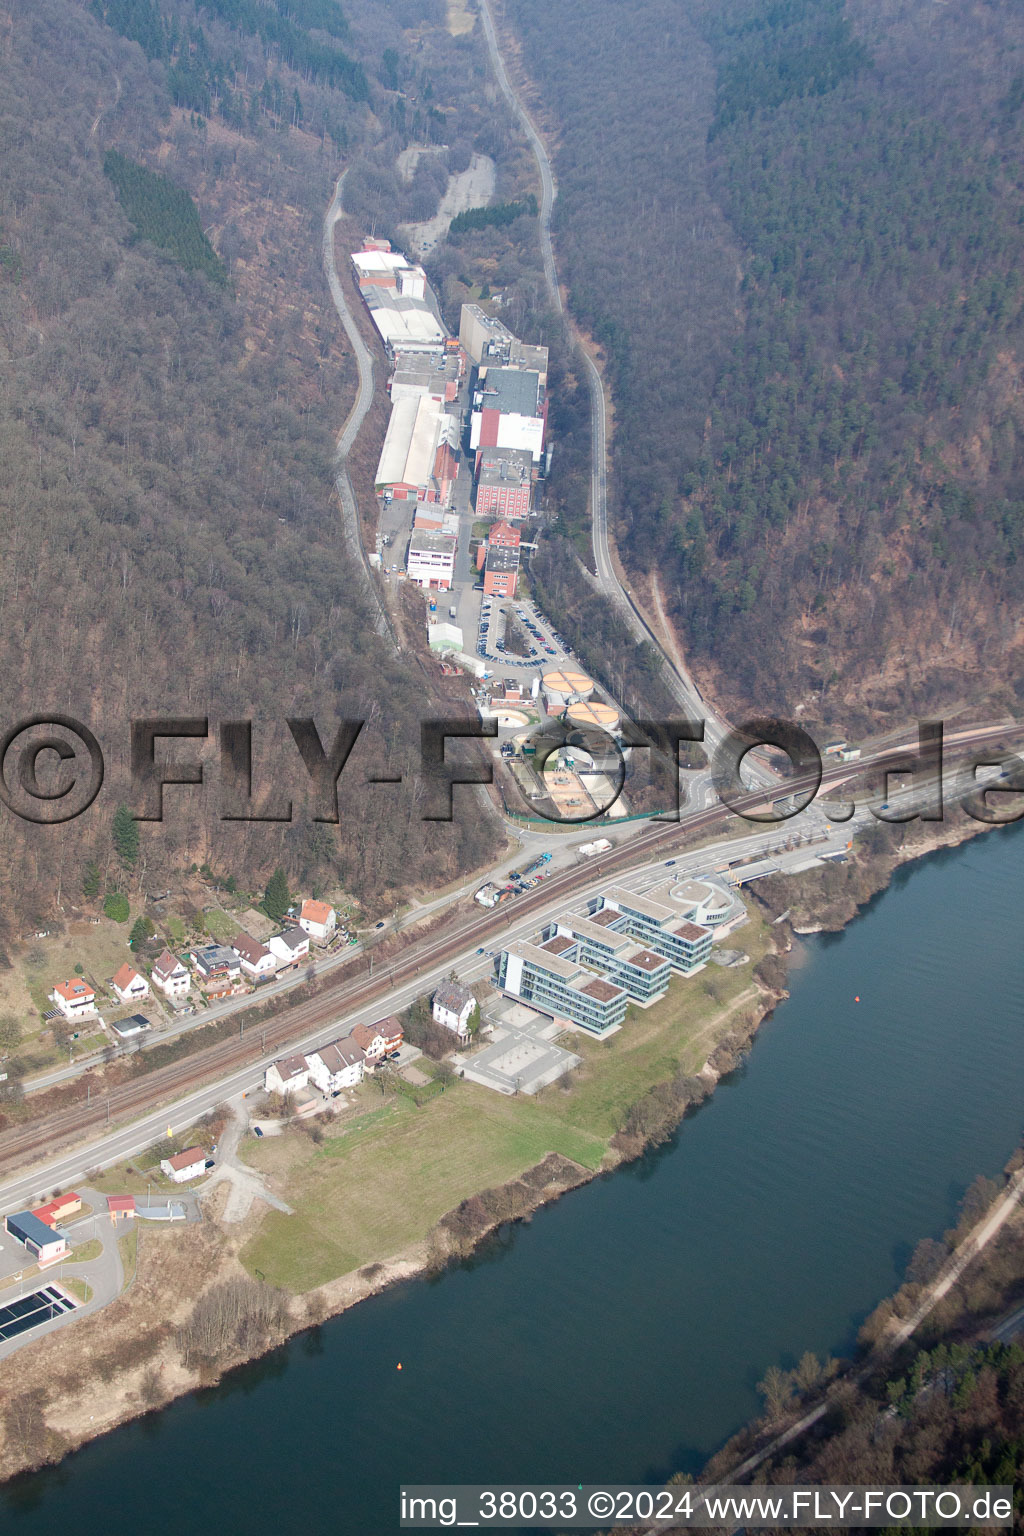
x=520 y=1056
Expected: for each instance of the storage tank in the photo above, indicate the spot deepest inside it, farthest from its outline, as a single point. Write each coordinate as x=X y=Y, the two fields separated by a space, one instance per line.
x=562 y=685
x=594 y=714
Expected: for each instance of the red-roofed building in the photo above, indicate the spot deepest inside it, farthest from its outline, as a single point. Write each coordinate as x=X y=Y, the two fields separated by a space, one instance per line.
x=120 y=1207
x=74 y=998
x=59 y=1208
x=502 y=536
x=318 y=920
x=129 y=985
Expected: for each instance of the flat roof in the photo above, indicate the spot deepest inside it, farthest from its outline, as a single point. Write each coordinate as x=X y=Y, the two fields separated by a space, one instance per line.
x=557 y=945
x=691 y=931
x=603 y=990
x=427 y=542
x=643 y=904
x=568 y=970
x=501 y=557
x=604 y=918
x=601 y=933
x=512 y=391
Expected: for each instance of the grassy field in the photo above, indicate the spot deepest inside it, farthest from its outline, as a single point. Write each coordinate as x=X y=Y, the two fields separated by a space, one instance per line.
x=383 y=1180
x=85 y=1251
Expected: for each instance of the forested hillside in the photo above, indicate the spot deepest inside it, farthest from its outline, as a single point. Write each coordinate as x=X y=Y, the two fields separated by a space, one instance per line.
x=795 y=230
x=172 y=375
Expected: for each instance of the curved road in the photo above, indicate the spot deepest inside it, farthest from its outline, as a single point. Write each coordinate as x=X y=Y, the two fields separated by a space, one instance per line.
x=356 y=417
x=677 y=680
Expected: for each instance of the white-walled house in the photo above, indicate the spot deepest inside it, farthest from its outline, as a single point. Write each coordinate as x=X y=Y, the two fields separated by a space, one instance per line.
x=336 y=1066
x=129 y=985
x=289 y=947
x=186 y=1165
x=170 y=976
x=75 y=999
x=289 y=1075
x=318 y=920
x=453 y=1006
x=256 y=959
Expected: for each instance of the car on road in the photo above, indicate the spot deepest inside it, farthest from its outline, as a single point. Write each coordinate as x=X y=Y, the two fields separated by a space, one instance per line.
x=380 y=924
x=669 y=863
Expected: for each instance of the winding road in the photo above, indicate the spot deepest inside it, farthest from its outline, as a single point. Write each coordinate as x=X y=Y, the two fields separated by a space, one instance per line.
x=676 y=678
x=356 y=417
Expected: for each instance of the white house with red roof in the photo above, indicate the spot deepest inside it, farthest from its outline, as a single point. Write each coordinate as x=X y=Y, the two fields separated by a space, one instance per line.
x=129 y=985
x=186 y=1165
x=75 y=999
x=171 y=976
x=318 y=920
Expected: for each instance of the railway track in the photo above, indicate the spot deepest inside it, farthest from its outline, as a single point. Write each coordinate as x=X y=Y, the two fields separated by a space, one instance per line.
x=342 y=996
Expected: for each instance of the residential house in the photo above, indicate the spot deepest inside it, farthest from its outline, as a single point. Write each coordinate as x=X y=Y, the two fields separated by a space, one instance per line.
x=289 y=1075
x=453 y=1005
x=318 y=920
x=215 y=964
x=289 y=947
x=75 y=999
x=129 y=985
x=336 y=1066
x=255 y=958
x=186 y=1165
x=390 y=1029
x=171 y=976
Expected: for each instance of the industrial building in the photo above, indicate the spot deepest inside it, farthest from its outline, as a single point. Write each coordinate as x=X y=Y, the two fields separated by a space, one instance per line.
x=44 y=1244
x=563 y=988
x=409 y=455
x=396 y=293
x=660 y=927
x=486 y=340
x=504 y=482
x=501 y=571
x=510 y=411
x=427 y=373
x=431 y=560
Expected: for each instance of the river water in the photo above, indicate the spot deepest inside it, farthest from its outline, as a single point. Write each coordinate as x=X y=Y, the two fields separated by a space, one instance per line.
x=620 y=1335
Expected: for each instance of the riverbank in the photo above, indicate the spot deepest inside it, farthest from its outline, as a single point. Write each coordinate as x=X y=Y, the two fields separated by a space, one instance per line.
x=114 y=1367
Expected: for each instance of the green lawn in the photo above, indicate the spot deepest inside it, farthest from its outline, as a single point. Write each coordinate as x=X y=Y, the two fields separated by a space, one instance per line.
x=85 y=1251
x=383 y=1180
x=221 y=927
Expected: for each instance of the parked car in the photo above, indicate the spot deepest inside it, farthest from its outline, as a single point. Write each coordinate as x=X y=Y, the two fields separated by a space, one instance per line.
x=257 y=1131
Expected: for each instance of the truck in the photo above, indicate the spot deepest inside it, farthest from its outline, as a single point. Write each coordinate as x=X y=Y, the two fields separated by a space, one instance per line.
x=453 y=613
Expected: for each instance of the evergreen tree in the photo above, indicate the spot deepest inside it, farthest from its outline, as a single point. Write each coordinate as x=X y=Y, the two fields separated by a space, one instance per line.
x=277 y=898
x=142 y=929
x=125 y=833
x=116 y=907
x=91 y=881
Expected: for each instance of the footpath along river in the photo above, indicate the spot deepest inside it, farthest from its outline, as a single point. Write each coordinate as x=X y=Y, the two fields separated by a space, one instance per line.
x=620 y=1334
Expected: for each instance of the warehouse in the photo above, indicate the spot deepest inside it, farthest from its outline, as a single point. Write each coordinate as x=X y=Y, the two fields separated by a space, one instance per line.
x=406 y=466
x=43 y=1243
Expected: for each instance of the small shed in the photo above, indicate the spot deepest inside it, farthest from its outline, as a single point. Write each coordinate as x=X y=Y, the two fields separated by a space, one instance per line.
x=120 y=1208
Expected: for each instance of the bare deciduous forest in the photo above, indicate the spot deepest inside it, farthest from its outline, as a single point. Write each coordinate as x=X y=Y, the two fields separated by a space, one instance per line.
x=172 y=375
x=794 y=230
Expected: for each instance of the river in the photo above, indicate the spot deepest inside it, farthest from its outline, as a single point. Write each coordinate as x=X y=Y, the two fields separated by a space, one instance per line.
x=620 y=1334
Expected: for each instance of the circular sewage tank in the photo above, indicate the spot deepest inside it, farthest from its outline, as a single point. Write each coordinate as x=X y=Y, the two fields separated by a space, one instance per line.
x=511 y=719
x=594 y=714
x=560 y=685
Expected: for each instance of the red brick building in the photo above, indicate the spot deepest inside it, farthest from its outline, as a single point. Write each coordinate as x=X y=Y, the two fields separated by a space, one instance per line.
x=501 y=571
x=502 y=536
